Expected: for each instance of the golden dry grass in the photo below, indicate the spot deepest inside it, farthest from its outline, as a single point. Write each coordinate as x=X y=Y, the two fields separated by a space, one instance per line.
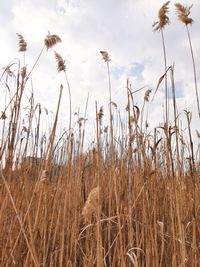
x=132 y=199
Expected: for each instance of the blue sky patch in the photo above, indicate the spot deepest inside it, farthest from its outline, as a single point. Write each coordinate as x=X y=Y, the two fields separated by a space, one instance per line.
x=178 y=89
x=134 y=70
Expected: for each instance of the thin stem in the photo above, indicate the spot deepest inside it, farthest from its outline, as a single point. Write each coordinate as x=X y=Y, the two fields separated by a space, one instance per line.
x=175 y=119
x=166 y=97
x=70 y=101
x=166 y=87
x=194 y=69
x=38 y=58
x=110 y=100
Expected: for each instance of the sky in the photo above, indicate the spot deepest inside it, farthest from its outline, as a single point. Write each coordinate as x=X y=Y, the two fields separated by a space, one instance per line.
x=121 y=27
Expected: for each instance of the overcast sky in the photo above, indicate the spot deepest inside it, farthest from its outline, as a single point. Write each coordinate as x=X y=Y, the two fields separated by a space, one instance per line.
x=121 y=27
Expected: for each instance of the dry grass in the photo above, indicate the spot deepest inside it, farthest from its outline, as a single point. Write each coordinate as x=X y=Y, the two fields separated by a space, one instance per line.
x=132 y=199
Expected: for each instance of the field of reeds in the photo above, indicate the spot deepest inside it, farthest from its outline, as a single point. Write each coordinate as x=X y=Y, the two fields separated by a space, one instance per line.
x=131 y=198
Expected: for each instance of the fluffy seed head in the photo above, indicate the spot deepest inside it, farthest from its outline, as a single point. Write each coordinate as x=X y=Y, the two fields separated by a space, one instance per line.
x=61 y=62
x=105 y=56
x=44 y=176
x=91 y=205
x=51 y=40
x=3 y=115
x=183 y=13
x=23 y=72
x=100 y=115
x=22 y=43
x=163 y=17
x=147 y=95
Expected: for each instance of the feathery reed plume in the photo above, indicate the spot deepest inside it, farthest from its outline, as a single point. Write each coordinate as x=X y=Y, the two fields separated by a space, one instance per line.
x=100 y=114
x=91 y=205
x=163 y=18
x=23 y=72
x=183 y=12
x=61 y=62
x=44 y=176
x=3 y=115
x=51 y=40
x=105 y=56
x=22 y=43
x=147 y=95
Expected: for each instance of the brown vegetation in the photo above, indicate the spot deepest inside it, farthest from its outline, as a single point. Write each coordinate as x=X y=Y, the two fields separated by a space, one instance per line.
x=132 y=199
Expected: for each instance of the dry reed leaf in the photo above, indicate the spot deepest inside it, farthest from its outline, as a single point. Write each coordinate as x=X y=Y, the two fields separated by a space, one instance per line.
x=46 y=111
x=137 y=114
x=25 y=129
x=133 y=256
x=8 y=71
x=188 y=115
x=159 y=82
x=183 y=13
x=113 y=104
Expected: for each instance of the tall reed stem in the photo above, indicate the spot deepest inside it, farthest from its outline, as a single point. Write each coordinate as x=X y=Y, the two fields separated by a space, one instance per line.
x=194 y=69
x=70 y=101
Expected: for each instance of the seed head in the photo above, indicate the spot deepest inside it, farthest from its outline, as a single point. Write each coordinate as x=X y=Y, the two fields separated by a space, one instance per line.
x=147 y=95
x=61 y=62
x=163 y=18
x=44 y=176
x=100 y=115
x=51 y=40
x=183 y=13
x=105 y=56
x=91 y=205
x=3 y=115
x=22 y=43
x=23 y=72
